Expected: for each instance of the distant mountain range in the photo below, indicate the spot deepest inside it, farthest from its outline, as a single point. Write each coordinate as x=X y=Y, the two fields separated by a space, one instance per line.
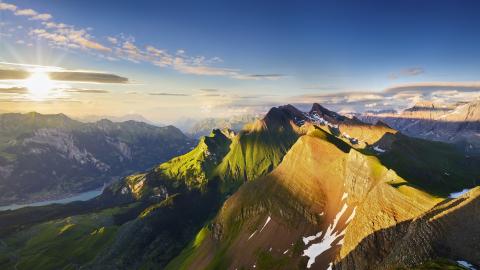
x=123 y=118
x=51 y=156
x=456 y=123
x=292 y=190
x=203 y=127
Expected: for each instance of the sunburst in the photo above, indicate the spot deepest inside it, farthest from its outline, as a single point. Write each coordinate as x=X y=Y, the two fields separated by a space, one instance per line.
x=39 y=85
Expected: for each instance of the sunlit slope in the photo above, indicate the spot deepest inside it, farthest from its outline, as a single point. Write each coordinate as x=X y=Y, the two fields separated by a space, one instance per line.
x=322 y=185
x=259 y=148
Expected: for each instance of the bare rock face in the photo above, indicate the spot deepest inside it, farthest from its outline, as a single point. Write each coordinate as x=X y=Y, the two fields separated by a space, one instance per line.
x=459 y=123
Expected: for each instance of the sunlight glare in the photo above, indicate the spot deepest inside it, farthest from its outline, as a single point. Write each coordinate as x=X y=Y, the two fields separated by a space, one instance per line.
x=39 y=85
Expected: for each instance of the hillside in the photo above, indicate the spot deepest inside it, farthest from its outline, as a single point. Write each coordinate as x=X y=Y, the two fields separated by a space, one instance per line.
x=52 y=156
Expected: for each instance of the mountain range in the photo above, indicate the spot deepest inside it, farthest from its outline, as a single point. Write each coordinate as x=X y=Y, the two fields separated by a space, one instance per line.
x=203 y=127
x=52 y=156
x=292 y=190
x=453 y=123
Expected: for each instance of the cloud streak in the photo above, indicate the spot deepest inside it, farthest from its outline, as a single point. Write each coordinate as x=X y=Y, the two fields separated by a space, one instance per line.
x=168 y=94
x=95 y=77
x=13 y=74
x=408 y=72
x=14 y=90
x=13 y=71
x=86 y=91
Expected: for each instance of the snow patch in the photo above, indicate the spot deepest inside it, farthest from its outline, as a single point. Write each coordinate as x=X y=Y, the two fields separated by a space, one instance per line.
x=266 y=222
x=352 y=215
x=455 y=195
x=330 y=237
x=251 y=235
x=466 y=265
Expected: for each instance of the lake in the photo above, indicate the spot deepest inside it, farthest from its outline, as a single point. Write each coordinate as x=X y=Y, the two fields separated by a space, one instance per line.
x=85 y=196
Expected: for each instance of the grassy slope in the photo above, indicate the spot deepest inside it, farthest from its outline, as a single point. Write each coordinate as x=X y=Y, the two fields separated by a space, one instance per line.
x=197 y=166
x=63 y=243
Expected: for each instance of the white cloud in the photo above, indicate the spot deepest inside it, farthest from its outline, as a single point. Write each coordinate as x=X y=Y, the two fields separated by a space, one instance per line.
x=42 y=17
x=5 y=6
x=26 y=12
x=396 y=97
x=112 y=40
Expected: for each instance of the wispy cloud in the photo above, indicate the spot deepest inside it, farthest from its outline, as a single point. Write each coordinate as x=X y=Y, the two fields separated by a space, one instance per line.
x=408 y=72
x=87 y=91
x=91 y=77
x=13 y=74
x=13 y=90
x=262 y=76
x=5 y=6
x=209 y=90
x=168 y=94
x=14 y=71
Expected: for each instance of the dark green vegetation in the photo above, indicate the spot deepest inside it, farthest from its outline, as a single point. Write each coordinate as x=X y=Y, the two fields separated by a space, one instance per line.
x=184 y=208
x=50 y=156
x=436 y=167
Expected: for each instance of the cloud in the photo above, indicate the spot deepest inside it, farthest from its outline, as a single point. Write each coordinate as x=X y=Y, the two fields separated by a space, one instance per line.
x=408 y=72
x=13 y=74
x=261 y=76
x=396 y=97
x=14 y=90
x=209 y=90
x=69 y=38
x=26 y=12
x=320 y=87
x=5 y=6
x=112 y=40
x=81 y=76
x=87 y=91
x=168 y=94
x=435 y=86
x=42 y=17
x=14 y=71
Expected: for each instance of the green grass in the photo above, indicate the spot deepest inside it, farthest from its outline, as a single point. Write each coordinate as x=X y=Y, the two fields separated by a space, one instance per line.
x=63 y=243
x=196 y=167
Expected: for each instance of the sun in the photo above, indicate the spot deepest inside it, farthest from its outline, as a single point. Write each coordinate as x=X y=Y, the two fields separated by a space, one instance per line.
x=39 y=85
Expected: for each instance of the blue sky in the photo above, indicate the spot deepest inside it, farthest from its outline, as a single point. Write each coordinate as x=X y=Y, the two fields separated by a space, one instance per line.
x=249 y=54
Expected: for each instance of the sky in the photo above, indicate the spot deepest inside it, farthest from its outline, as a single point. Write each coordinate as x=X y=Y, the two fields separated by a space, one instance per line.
x=171 y=60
